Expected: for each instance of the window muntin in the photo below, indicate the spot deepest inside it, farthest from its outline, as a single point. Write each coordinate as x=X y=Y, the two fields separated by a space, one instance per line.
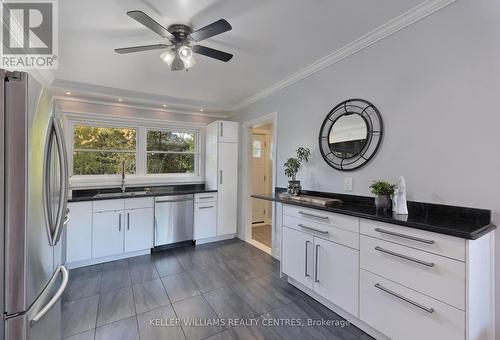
x=171 y=152
x=101 y=150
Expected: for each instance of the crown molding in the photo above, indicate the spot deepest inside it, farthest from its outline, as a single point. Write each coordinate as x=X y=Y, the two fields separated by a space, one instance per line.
x=406 y=19
x=138 y=107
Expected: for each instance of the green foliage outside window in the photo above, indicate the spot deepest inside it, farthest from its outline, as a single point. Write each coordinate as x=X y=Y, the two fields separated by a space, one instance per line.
x=100 y=151
x=170 y=152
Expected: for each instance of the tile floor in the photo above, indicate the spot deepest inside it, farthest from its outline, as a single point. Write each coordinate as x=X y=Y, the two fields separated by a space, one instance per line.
x=140 y=298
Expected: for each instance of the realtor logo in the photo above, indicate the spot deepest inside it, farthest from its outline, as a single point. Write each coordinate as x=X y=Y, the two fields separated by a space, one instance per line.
x=29 y=34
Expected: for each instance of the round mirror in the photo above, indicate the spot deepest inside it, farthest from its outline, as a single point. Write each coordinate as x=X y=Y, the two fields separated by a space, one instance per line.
x=350 y=134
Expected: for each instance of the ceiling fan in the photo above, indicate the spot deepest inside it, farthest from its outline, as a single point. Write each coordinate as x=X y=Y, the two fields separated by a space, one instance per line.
x=181 y=41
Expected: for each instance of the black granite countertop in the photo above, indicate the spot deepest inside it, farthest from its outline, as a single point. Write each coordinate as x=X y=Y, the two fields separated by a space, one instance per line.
x=467 y=223
x=166 y=190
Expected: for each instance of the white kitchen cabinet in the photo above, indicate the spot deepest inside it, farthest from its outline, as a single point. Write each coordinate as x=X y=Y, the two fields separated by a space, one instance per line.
x=227 y=189
x=79 y=232
x=297 y=250
x=228 y=131
x=221 y=172
x=138 y=229
x=107 y=233
x=205 y=220
x=336 y=274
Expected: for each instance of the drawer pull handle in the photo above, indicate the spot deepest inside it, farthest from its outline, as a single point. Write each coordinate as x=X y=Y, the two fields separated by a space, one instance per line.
x=306 y=273
x=312 y=215
x=314 y=229
x=399 y=296
x=413 y=238
x=208 y=207
x=205 y=197
x=316 y=274
x=424 y=263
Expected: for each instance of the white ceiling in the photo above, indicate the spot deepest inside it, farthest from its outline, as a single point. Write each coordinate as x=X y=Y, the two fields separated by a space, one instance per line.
x=271 y=40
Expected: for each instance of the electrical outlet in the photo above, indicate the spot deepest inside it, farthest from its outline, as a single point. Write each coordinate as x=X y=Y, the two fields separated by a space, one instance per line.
x=348 y=184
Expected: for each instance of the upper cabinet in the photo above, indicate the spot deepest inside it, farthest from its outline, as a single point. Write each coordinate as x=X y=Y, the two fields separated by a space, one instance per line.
x=228 y=131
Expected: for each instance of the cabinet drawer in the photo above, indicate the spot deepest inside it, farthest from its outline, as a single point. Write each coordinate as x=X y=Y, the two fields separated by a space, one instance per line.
x=324 y=217
x=107 y=205
x=141 y=202
x=445 y=245
x=439 y=277
x=392 y=309
x=337 y=235
x=205 y=197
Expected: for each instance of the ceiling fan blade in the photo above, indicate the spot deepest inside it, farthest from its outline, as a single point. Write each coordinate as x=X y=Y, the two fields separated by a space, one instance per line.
x=150 y=23
x=218 y=27
x=133 y=49
x=212 y=53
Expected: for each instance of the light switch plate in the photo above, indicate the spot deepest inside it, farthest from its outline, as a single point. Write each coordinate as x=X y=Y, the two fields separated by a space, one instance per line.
x=348 y=184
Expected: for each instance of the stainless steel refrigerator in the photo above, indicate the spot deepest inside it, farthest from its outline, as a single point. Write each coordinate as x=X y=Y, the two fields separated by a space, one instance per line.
x=33 y=210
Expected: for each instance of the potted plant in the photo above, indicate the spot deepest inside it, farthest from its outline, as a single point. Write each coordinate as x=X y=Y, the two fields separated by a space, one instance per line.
x=292 y=167
x=383 y=192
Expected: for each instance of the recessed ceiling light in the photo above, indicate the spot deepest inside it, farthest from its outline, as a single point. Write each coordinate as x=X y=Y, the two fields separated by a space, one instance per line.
x=164 y=105
x=68 y=93
x=201 y=110
x=120 y=100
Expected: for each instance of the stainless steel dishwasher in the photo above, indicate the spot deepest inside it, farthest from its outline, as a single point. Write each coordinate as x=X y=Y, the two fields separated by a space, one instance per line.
x=173 y=220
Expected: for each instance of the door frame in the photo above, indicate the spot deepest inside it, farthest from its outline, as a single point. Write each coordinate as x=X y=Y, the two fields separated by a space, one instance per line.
x=246 y=213
x=267 y=167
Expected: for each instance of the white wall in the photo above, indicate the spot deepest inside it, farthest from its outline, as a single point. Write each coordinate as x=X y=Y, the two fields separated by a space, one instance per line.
x=437 y=86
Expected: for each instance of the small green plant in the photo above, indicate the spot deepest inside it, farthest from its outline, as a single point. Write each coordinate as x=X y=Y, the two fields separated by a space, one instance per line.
x=382 y=188
x=293 y=164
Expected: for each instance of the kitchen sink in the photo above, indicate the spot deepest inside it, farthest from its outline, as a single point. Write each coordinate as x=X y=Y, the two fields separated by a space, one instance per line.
x=121 y=194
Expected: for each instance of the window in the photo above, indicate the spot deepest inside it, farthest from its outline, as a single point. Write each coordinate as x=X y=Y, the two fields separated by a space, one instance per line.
x=101 y=150
x=170 y=152
x=257 y=149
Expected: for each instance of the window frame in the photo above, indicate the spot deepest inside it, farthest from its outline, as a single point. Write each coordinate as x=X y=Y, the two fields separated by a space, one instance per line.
x=141 y=176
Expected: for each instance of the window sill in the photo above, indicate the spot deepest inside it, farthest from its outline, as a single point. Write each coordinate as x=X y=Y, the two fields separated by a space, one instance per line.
x=110 y=181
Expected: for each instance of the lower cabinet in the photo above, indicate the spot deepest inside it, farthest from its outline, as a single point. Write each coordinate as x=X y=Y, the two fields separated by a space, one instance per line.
x=138 y=229
x=329 y=269
x=107 y=233
x=78 y=232
x=205 y=220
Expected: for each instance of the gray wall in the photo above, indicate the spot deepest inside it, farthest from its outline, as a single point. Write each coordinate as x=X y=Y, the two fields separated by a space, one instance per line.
x=437 y=86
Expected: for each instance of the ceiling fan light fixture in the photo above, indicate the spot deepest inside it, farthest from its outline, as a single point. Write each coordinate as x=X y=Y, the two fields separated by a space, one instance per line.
x=185 y=53
x=168 y=56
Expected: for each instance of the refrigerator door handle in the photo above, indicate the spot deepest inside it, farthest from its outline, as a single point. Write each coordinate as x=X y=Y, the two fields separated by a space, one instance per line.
x=63 y=161
x=65 y=276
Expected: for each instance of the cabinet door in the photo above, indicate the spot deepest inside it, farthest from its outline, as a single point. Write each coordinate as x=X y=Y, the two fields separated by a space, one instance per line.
x=227 y=189
x=336 y=274
x=205 y=220
x=296 y=260
x=228 y=132
x=79 y=232
x=139 y=225
x=107 y=236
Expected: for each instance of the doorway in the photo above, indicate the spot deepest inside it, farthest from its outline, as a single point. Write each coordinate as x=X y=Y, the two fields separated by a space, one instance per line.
x=261 y=174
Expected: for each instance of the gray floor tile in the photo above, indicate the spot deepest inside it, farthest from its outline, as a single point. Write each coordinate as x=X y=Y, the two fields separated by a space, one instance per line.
x=228 y=305
x=221 y=336
x=210 y=277
x=196 y=309
x=115 y=305
x=262 y=297
x=88 y=335
x=85 y=270
x=125 y=329
x=281 y=285
x=79 y=316
x=167 y=264
x=115 y=277
x=253 y=332
x=149 y=295
x=142 y=271
x=82 y=284
x=179 y=287
x=114 y=264
x=158 y=325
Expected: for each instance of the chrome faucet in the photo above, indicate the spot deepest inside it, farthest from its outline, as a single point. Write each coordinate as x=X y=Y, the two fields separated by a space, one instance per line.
x=123 y=186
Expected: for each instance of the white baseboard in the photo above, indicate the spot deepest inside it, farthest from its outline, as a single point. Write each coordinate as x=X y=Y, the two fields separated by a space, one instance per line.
x=261 y=246
x=89 y=262
x=215 y=239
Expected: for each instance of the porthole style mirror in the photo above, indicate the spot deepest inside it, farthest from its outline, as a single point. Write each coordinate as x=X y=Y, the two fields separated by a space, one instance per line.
x=351 y=134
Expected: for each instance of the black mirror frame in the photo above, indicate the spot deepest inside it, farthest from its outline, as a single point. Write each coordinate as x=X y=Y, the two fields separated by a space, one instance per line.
x=375 y=129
